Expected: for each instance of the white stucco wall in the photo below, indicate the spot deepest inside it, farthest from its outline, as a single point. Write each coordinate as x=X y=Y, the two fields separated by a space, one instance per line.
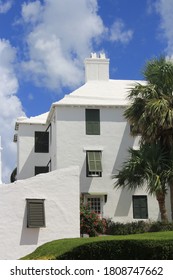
x=53 y=141
x=27 y=158
x=60 y=189
x=114 y=141
x=69 y=142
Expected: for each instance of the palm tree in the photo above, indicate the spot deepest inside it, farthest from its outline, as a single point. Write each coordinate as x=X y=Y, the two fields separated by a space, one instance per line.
x=149 y=166
x=151 y=110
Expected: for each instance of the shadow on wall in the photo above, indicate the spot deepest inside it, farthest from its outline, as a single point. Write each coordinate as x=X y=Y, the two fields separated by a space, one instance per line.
x=122 y=155
x=29 y=236
x=85 y=182
x=28 y=169
x=125 y=199
x=124 y=203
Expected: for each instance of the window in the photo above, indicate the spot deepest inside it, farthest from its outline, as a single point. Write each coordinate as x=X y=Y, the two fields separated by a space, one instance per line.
x=140 y=209
x=95 y=204
x=41 y=169
x=35 y=213
x=94 y=165
x=92 y=118
x=41 y=142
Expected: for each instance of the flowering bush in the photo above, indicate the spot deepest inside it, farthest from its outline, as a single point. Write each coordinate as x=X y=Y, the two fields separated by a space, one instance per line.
x=90 y=222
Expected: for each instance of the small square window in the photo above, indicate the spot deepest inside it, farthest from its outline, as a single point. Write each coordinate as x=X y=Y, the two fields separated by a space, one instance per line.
x=140 y=208
x=41 y=169
x=41 y=141
x=35 y=213
x=92 y=118
x=94 y=164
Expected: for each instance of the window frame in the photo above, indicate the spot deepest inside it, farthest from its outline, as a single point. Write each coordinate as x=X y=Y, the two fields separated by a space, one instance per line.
x=90 y=171
x=41 y=144
x=31 y=221
x=139 y=208
x=92 y=121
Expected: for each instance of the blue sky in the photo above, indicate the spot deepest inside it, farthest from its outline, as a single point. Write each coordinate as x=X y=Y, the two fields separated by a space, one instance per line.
x=43 y=44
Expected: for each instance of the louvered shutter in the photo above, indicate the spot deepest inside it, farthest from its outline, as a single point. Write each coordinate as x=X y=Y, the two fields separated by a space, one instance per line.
x=92 y=117
x=94 y=161
x=35 y=213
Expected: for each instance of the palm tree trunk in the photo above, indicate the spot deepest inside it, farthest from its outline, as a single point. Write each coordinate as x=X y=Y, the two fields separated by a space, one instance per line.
x=161 y=201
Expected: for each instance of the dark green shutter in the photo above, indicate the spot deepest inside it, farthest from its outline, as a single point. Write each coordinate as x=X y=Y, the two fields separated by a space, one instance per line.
x=41 y=169
x=92 y=117
x=140 y=209
x=35 y=213
x=41 y=141
x=94 y=161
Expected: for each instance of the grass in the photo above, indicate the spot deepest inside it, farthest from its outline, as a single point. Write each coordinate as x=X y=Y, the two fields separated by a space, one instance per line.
x=52 y=250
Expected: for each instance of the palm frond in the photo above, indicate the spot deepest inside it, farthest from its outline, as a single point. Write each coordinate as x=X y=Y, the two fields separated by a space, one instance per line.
x=150 y=165
x=131 y=174
x=133 y=113
x=143 y=91
x=159 y=72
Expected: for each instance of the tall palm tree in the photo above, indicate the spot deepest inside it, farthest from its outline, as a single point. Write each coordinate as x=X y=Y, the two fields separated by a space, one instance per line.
x=151 y=109
x=148 y=167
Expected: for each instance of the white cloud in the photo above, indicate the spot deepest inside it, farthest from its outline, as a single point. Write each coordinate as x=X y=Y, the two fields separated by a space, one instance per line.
x=5 y=6
x=118 y=33
x=31 y=11
x=165 y=9
x=10 y=106
x=61 y=36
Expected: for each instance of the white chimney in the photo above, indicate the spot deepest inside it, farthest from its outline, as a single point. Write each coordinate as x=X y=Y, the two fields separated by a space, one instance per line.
x=97 y=68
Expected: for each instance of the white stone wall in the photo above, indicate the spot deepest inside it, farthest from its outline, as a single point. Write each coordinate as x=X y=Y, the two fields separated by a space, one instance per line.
x=27 y=158
x=60 y=189
x=53 y=141
x=114 y=141
x=68 y=146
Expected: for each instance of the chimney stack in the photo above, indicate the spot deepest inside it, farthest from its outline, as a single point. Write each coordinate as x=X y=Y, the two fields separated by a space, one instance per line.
x=97 y=68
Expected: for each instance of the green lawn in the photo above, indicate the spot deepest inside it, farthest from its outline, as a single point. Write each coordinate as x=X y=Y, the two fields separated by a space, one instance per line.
x=52 y=250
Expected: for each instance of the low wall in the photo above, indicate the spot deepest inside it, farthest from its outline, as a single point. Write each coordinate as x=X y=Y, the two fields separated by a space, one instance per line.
x=60 y=189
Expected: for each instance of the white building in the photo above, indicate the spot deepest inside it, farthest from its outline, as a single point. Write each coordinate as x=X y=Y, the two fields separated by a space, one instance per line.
x=87 y=129
x=38 y=210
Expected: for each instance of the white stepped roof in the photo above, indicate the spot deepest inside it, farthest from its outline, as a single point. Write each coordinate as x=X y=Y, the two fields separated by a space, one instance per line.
x=41 y=119
x=92 y=93
x=100 y=93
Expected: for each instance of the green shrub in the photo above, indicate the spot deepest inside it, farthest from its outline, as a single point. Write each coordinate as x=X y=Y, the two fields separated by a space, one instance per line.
x=122 y=250
x=93 y=225
x=90 y=222
x=136 y=227
x=160 y=226
x=128 y=228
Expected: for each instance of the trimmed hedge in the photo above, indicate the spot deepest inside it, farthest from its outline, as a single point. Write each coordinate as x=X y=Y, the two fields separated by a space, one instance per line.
x=136 y=227
x=122 y=250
